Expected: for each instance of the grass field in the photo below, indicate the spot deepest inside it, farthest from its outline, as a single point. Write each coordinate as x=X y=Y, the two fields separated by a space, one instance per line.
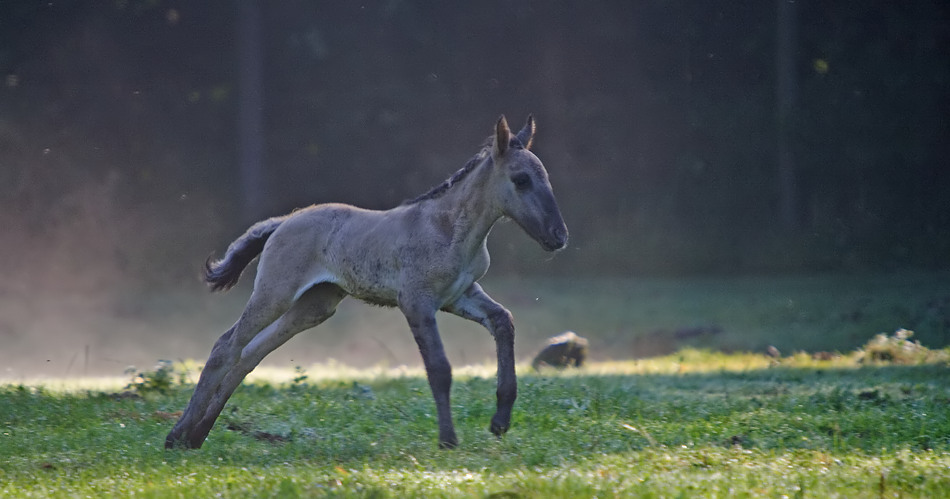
x=692 y=424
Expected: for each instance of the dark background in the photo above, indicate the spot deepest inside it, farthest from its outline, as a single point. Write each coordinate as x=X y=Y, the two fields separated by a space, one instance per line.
x=657 y=119
x=130 y=149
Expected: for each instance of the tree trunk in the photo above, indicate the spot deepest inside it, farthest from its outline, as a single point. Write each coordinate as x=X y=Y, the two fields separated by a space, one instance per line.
x=787 y=103
x=250 y=110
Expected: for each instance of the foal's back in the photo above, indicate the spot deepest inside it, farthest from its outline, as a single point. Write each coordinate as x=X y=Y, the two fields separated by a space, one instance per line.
x=367 y=253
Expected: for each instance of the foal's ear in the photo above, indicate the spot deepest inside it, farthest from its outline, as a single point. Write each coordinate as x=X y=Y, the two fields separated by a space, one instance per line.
x=502 y=137
x=526 y=135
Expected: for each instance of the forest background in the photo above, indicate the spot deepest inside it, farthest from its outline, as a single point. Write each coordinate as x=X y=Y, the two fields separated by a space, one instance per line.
x=683 y=138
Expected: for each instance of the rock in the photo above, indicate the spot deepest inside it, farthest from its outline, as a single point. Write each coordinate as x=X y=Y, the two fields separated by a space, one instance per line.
x=564 y=350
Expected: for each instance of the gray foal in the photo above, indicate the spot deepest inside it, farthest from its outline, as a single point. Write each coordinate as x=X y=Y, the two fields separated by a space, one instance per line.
x=422 y=256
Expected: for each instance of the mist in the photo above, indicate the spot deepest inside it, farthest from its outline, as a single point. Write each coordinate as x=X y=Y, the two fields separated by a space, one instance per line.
x=688 y=147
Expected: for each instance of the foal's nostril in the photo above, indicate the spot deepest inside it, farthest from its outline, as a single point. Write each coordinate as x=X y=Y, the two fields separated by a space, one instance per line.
x=560 y=236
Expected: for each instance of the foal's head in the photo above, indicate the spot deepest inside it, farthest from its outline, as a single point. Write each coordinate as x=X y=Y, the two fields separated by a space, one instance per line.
x=522 y=186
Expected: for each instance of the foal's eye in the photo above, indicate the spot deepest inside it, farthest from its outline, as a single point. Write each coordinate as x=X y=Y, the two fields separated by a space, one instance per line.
x=522 y=181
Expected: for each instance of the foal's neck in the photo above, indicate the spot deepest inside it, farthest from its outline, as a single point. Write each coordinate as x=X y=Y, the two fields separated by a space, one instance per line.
x=471 y=205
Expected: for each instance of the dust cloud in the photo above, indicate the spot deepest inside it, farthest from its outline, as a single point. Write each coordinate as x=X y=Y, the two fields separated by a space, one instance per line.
x=59 y=317
x=98 y=288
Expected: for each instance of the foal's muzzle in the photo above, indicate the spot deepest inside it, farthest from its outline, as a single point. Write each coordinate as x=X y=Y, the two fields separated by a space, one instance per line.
x=556 y=238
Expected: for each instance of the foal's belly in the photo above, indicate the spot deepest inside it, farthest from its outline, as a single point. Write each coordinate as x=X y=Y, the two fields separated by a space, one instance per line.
x=369 y=286
x=378 y=290
x=387 y=295
x=383 y=298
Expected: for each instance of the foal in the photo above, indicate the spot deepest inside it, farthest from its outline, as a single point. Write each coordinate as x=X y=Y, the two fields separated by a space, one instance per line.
x=422 y=256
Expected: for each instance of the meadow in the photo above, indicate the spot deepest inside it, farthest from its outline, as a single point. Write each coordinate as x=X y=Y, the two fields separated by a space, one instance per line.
x=869 y=423
x=702 y=412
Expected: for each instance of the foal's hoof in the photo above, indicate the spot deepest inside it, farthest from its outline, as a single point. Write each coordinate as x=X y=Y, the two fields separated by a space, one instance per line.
x=449 y=442
x=498 y=429
x=174 y=439
x=174 y=443
x=180 y=442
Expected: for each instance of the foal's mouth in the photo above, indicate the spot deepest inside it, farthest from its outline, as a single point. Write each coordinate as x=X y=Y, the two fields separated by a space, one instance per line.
x=554 y=247
x=550 y=239
x=555 y=241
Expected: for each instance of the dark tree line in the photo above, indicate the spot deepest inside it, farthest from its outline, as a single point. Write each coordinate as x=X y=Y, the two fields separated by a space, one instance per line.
x=657 y=120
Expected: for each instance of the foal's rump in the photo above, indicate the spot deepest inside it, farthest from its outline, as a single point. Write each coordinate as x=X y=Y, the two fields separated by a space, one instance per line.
x=223 y=274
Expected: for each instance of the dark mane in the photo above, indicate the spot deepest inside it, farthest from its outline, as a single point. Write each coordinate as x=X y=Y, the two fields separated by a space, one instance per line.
x=456 y=177
x=464 y=171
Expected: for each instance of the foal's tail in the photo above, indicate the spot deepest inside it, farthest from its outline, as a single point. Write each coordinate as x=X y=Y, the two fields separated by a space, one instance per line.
x=223 y=274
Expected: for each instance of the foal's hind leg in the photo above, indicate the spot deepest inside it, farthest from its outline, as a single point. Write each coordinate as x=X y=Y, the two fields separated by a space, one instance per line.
x=313 y=307
x=477 y=306
x=257 y=315
x=236 y=359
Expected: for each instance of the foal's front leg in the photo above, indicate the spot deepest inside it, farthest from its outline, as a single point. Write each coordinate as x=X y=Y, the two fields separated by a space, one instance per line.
x=476 y=305
x=421 y=320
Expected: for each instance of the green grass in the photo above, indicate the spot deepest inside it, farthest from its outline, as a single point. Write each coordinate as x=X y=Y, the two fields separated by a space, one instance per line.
x=692 y=424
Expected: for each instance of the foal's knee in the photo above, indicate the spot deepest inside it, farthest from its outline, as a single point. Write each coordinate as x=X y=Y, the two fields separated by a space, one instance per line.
x=502 y=324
